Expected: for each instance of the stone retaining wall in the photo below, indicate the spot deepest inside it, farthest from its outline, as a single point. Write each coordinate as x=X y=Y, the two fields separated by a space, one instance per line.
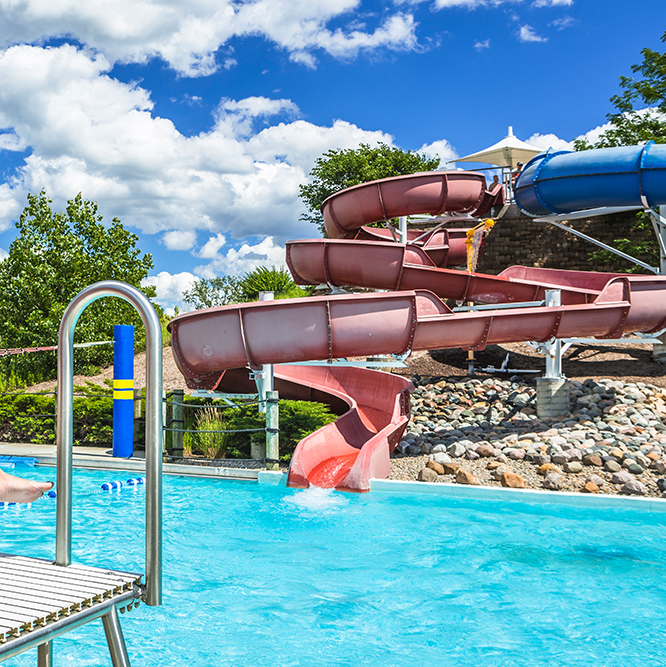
x=521 y=240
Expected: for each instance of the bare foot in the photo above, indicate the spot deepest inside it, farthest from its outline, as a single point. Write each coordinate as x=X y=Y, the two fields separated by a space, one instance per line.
x=19 y=490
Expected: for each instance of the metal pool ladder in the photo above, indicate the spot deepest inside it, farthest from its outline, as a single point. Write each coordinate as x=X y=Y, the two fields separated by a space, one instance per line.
x=41 y=599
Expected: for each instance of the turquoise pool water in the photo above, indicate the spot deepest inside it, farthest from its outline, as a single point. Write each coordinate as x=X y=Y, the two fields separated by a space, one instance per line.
x=258 y=575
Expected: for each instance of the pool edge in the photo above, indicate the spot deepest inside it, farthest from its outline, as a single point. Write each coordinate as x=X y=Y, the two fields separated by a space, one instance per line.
x=490 y=493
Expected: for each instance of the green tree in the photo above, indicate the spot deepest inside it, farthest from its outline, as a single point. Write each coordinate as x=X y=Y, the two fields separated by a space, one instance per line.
x=210 y=292
x=628 y=125
x=54 y=256
x=342 y=168
x=207 y=293
x=274 y=279
x=631 y=126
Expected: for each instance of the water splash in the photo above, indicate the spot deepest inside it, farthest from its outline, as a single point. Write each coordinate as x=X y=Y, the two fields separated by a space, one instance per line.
x=317 y=499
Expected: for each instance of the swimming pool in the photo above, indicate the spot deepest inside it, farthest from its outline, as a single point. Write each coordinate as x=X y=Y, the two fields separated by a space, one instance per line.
x=259 y=575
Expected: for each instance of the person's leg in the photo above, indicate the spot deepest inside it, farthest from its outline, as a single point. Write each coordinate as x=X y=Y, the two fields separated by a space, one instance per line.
x=19 y=490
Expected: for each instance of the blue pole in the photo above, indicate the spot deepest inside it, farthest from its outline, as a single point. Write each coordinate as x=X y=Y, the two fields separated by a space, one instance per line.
x=123 y=390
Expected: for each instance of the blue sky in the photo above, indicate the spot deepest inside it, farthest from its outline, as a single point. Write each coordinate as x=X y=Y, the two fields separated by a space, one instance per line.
x=195 y=122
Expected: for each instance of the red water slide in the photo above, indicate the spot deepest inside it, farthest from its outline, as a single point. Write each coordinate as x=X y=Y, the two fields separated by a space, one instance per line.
x=356 y=448
x=374 y=409
x=207 y=343
x=395 y=266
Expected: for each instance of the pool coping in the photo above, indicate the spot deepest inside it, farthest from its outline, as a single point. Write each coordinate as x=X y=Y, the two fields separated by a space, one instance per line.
x=538 y=496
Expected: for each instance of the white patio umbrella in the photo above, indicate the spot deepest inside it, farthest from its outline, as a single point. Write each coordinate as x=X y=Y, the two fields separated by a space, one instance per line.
x=506 y=153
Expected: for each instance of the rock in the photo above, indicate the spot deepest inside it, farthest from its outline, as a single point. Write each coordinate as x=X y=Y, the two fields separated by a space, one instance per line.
x=612 y=466
x=573 y=466
x=413 y=450
x=553 y=481
x=466 y=477
x=427 y=475
x=661 y=484
x=516 y=454
x=451 y=468
x=596 y=480
x=438 y=449
x=635 y=469
x=540 y=459
x=592 y=460
x=634 y=488
x=437 y=467
x=440 y=457
x=485 y=450
x=456 y=450
x=512 y=480
x=622 y=477
x=560 y=458
x=546 y=468
x=493 y=465
x=471 y=455
x=497 y=474
x=659 y=466
x=590 y=487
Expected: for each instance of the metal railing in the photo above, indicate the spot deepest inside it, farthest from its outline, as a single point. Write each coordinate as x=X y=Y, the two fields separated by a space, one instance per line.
x=64 y=430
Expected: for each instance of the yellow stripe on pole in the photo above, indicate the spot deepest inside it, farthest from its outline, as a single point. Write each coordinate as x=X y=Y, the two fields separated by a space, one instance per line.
x=123 y=384
x=126 y=395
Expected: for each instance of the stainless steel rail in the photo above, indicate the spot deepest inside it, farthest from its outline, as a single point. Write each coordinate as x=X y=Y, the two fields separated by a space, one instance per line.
x=64 y=431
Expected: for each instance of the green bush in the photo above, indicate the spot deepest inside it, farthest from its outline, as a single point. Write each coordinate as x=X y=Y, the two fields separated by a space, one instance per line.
x=31 y=417
x=297 y=419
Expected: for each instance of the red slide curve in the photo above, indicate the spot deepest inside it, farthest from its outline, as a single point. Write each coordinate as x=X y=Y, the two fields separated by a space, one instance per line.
x=374 y=409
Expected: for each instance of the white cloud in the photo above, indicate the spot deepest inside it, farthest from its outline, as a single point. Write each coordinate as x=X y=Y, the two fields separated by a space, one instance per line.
x=188 y=34
x=9 y=141
x=10 y=207
x=445 y=4
x=528 y=34
x=562 y=23
x=180 y=239
x=246 y=258
x=546 y=141
x=443 y=149
x=212 y=247
x=552 y=3
x=170 y=288
x=3 y=254
x=480 y=46
x=90 y=133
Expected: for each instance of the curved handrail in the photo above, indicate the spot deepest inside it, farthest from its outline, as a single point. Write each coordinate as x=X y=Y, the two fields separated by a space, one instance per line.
x=64 y=430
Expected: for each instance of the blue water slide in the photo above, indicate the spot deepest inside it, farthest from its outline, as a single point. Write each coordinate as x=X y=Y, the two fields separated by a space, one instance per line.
x=565 y=181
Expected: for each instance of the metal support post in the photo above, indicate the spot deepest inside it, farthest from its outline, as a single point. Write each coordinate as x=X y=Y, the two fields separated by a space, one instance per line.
x=164 y=420
x=272 y=430
x=265 y=383
x=554 y=349
x=402 y=228
x=154 y=434
x=115 y=639
x=177 y=421
x=138 y=421
x=45 y=655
